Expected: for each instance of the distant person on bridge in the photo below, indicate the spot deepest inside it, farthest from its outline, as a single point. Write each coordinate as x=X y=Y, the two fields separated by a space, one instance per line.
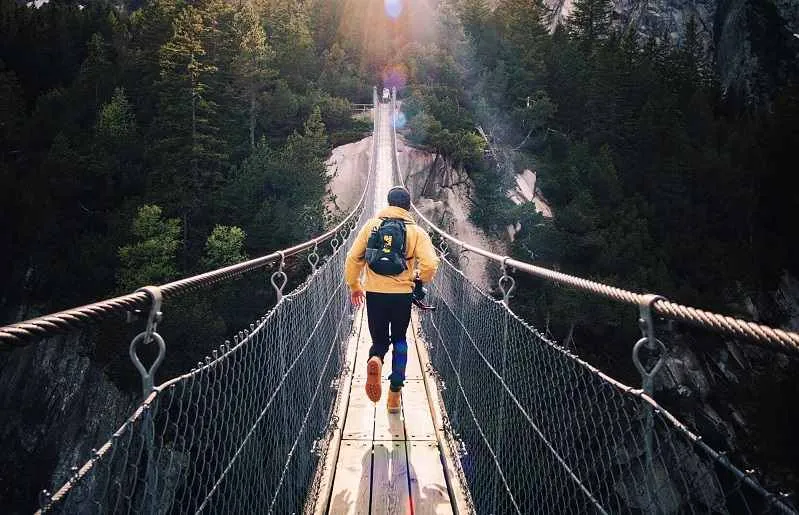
x=390 y=247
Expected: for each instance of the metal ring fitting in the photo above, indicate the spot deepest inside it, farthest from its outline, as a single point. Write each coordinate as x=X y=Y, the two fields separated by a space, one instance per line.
x=147 y=376
x=283 y=280
x=506 y=290
x=637 y=360
x=313 y=258
x=648 y=329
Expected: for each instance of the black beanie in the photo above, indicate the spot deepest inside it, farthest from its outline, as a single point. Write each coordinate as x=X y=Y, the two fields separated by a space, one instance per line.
x=399 y=196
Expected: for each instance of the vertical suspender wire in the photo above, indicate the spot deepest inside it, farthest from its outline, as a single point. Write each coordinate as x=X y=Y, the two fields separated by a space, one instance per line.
x=150 y=486
x=647 y=384
x=499 y=439
x=461 y=310
x=150 y=335
x=282 y=347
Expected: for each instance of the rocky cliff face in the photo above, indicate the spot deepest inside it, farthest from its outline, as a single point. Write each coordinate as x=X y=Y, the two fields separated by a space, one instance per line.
x=444 y=195
x=752 y=43
x=55 y=406
x=737 y=397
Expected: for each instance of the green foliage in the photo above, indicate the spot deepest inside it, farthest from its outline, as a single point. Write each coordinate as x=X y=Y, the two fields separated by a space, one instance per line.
x=225 y=246
x=590 y=21
x=151 y=258
x=657 y=181
x=103 y=110
x=336 y=112
x=116 y=120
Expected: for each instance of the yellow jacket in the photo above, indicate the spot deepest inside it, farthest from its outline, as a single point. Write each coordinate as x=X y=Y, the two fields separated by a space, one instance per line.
x=419 y=251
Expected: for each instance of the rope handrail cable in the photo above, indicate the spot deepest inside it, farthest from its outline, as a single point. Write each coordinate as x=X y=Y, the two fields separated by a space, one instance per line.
x=198 y=440
x=21 y=333
x=779 y=339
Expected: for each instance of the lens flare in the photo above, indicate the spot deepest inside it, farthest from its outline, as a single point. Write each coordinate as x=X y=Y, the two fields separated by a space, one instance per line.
x=393 y=8
x=399 y=120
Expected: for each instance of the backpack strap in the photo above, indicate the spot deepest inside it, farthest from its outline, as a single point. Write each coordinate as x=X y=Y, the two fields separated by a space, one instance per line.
x=403 y=220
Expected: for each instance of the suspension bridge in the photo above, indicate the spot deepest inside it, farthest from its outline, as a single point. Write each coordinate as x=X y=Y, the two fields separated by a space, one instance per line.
x=496 y=418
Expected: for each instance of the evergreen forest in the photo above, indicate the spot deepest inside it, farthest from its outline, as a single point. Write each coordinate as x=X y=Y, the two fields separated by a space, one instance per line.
x=149 y=140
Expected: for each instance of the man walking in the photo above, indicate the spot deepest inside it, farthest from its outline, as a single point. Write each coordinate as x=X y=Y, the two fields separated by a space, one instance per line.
x=390 y=247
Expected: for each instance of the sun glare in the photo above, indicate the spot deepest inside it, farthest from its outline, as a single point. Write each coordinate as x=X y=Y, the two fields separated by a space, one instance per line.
x=393 y=8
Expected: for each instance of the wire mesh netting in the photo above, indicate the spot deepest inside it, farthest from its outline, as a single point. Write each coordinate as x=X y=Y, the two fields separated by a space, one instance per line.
x=236 y=434
x=542 y=431
x=245 y=430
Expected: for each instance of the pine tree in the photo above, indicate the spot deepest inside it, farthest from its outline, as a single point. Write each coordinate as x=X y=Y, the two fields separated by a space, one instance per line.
x=252 y=65
x=151 y=258
x=188 y=150
x=590 y=22
x=224 y=247
x=525 y=37
x=150 y=28
x=287 y=28
x=114 y=161
x=96 y=73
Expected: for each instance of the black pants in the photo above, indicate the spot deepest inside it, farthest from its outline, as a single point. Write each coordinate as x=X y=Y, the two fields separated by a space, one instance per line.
x=389 y=316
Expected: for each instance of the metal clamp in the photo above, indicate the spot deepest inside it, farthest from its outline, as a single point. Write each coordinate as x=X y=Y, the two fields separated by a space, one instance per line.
x=148 y=335
x=313 y=257
x=279 y=273
x=649 y=341
x=506 y=279
x=463 y=257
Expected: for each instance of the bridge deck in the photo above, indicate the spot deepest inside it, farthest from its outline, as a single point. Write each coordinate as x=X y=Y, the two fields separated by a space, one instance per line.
x=387 y=463
x=383 y=463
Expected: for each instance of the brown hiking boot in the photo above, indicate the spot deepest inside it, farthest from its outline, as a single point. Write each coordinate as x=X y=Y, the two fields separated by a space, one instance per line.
x=393 y=401
x=374 y=368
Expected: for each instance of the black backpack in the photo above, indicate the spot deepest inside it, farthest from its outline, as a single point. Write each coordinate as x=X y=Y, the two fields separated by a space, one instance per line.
x=385 y=250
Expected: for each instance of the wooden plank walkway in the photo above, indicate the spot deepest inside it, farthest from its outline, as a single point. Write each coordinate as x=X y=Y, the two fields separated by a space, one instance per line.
x=387 y=463
x=381 y=463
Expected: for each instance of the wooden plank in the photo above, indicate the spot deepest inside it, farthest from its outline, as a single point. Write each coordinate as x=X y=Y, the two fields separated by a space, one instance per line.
x=416 y=409
x=353 y=476
x=360 y=414
x=390 y=494
x=318 y=505
x=388 y=426
x=459 y=493
x=429 y=492
x=362 y=353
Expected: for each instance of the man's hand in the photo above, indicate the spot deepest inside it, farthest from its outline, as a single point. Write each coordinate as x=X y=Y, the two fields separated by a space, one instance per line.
x=418 y=289
x=357 y=298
